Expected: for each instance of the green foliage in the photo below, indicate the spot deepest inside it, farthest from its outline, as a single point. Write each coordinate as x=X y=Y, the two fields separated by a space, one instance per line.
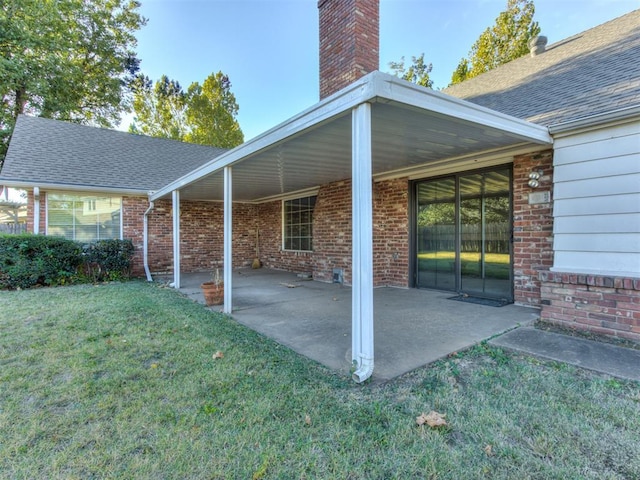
x=211 y=113
x=66 y=59
x=108 y=260
x=461 y=72
x=159 y=108
x=418 y=72
x=29 y=260
x=505 y=41
x=205 y=114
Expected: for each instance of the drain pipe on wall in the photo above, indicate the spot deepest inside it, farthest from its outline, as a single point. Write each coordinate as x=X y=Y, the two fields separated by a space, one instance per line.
x=145 y=242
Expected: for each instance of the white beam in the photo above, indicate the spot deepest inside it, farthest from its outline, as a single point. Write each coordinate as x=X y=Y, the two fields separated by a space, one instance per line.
x=175 y=196
x=362 y=248
x=228 y=239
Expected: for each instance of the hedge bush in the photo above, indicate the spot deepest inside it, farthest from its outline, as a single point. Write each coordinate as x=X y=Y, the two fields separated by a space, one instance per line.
x=108 y=259
x=29 y=260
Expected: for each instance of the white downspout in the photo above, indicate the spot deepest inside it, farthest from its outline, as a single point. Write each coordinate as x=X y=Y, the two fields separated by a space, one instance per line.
x=228 y=240
x=145 y=242
x=176 y=239
x=36 y=210
x=362 y=244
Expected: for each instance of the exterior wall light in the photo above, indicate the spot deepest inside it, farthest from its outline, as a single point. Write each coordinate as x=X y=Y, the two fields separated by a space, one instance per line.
x=534 y=178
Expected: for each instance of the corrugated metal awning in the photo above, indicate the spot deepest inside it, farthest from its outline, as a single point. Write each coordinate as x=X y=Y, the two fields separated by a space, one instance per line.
x=412 y=128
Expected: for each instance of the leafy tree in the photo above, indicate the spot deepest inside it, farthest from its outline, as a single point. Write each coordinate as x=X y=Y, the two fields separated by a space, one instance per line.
x=159 y=109
x=461 y=72
x=211 y=113
x=66 y=59
x=418 y=72
x=505 y=41
x=205 y=114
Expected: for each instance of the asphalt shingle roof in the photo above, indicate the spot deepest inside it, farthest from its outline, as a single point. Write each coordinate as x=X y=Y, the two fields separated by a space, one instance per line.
x=55 y=152
x=593 y=72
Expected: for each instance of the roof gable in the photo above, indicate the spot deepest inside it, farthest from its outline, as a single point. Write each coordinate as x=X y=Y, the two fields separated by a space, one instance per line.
x=590 y=73
x=54 y=152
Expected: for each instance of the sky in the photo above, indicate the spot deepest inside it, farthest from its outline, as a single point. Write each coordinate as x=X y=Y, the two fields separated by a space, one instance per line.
x=269 y=48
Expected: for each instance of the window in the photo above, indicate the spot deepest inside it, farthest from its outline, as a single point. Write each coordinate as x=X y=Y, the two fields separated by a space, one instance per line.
x=298 y=223
x=85 y=218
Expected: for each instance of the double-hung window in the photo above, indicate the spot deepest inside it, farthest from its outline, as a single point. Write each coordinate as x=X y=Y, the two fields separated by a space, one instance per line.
x=84 y=218
x=298 y=223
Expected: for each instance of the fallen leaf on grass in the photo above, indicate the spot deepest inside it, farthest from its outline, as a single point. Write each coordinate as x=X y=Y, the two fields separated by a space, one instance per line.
x=307 y=420
x=218 y=355
x=433 y=419
x=488 y=450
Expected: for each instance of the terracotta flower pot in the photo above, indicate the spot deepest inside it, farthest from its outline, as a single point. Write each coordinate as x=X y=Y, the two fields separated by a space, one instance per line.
x=213 y=293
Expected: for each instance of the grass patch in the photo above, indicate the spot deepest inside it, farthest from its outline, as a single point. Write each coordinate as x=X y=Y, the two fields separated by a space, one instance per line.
x=120 y=381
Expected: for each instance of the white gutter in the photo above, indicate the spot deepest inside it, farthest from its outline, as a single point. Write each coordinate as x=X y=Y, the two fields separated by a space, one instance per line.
x=620 y=115
x=72 y=188
x=145 y=242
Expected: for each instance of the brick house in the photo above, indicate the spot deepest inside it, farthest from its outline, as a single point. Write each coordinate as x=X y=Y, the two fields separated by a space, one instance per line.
x=521 y=185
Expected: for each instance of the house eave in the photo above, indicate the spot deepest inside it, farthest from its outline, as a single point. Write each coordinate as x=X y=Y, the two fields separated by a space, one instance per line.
x=584 y=124
x=48 y=186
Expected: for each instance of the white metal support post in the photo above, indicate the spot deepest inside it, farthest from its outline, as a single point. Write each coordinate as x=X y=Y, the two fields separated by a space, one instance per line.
x=362 y=244
x=175 y=197
x=228 y=239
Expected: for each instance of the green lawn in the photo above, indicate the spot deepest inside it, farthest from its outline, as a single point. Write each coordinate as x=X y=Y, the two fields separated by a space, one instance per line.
x=120 y=381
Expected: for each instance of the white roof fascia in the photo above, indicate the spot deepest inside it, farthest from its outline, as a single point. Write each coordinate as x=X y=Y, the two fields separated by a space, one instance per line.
x=334 y=105
x=396 y=89
x=73 y=188
x=621 y=115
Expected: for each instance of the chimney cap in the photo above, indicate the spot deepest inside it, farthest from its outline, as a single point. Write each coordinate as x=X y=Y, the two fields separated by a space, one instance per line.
x=537 y=44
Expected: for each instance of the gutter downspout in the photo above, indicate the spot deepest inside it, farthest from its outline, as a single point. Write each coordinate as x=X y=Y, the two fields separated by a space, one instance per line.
x=145 y=242
x=36 y=210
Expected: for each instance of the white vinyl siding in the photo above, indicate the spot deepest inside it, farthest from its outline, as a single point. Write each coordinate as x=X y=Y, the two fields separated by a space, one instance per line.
x=597 y=202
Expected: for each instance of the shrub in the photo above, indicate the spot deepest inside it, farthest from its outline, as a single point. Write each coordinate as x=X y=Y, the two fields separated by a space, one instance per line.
x=28 y=260
x=108 y=260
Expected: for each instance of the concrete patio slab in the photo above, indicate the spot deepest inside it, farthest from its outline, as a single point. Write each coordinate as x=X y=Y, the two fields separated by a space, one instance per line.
x=597 y=356
x=412 y=327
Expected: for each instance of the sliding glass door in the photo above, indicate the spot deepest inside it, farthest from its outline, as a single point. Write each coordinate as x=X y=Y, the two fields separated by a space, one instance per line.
x=464 y=234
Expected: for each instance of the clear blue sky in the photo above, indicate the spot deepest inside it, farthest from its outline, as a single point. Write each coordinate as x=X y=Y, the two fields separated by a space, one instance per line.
x=269 y=48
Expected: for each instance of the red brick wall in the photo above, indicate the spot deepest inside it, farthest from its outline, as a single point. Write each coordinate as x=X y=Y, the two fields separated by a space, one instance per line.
x=332 y=234
x=532 y=227
x=133 y=209
x=269 y=219
x=391 y=233
x=201 y=236
x=349 y=42
x=600 y=304
x=31 y=211
x=332 y=231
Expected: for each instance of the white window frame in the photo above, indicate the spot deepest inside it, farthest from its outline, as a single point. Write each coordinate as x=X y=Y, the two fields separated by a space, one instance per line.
x=284 y=221
x=85 y=194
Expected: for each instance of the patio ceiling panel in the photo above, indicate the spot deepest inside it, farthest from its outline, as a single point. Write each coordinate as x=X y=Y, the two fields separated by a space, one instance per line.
x=411 y=127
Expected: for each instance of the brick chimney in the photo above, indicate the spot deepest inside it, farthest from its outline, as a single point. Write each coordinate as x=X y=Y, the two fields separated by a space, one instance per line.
x=349 y=42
